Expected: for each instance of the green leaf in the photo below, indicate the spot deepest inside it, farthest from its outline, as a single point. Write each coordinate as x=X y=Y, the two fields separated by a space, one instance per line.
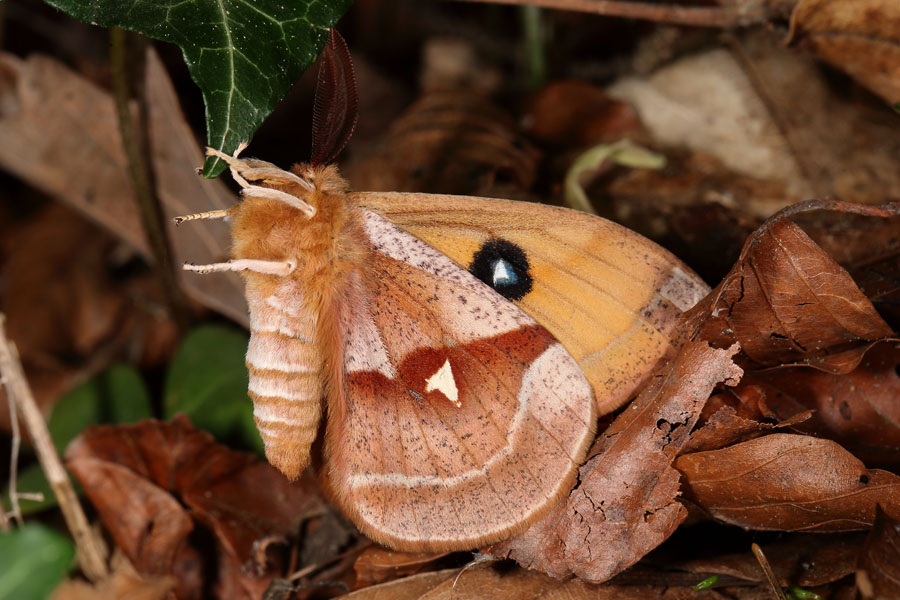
x=117 y=395
x=244 y=55
x=207 y=381
x=35 y=560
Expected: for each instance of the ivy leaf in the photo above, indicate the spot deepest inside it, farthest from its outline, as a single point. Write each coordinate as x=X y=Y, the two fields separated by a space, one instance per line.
x=35 y=560
x=244 y=56
x=207 y=381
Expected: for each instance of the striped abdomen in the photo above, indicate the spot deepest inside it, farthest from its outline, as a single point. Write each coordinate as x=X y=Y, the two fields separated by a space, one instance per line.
x=285 y=366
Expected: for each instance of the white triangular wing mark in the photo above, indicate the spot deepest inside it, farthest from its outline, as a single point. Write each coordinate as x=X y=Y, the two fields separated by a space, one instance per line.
x=442 y=381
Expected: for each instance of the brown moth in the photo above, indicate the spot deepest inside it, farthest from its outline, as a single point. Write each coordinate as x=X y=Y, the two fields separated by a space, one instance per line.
x=461 y=347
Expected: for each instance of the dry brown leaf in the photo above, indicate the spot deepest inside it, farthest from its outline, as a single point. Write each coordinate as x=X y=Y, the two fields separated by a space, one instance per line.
x=451 y=143
x=861 y=37
x=878 y=571
x=376 y=564
x=181 y=190
x=625 y=503
x=60 y=133
x=139 y=476
x=407 y=588
x=786 y=301
x=787 y=482
x=571 y=113
x=726 y=427
x=68 y=313
x=498 y=581
x=857 y=409
x=740 y=106
x=122 y=584
x=706 y=103
x=807 y=560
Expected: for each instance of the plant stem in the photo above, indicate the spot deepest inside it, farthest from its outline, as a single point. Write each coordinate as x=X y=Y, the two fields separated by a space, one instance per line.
x=142 y=178
x=536 y=59
x=90 y=547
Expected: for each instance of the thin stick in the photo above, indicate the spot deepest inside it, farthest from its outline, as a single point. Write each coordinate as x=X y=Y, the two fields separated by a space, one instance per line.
x=89 y=545
x=697 y=16
x=142 y=178
x=15 y=509
x=767 y=570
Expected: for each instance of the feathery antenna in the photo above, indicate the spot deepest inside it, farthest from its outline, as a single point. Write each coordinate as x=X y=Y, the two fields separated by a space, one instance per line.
x=336 y=106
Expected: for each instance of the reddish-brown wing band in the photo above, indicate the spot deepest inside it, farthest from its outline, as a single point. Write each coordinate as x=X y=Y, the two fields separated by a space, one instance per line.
x=461 y=419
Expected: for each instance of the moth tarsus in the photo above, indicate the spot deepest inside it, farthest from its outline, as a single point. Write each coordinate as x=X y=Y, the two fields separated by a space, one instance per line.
x=208 y=215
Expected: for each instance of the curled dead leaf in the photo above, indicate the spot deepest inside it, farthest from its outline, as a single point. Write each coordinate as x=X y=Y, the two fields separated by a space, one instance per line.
x=878 y=570
x=153 y=482
x=856 y=409
x=787 y=301
x=453 y=143
x=787 y=482
x=861 y=37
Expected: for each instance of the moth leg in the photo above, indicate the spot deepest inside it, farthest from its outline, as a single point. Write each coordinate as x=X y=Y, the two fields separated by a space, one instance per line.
x=243 y=170
x=266 y=267
x=212 y=214
x=255 y=191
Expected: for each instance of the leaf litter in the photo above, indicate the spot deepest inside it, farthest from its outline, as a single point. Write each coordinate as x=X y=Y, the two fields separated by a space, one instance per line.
x=777 y=416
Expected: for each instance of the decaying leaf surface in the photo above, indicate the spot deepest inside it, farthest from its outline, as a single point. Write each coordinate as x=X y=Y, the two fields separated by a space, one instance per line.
x=450 y=142
x=59 y=132
x=181 y=192
x=499 y=582
x=786 y=301
x=122 y=584
x=803 y=559
x=741 y=135
x=740 y=107
x=787 y=482
x=857 y=409
x=68 y=312
x=377 y=564
x=170 y=478
x=878 y=571
x=862 y=37
x=625 y=503
x=726 y=426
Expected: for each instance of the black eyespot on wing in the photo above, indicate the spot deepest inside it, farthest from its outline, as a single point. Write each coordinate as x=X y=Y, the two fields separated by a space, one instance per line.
x=503 y=266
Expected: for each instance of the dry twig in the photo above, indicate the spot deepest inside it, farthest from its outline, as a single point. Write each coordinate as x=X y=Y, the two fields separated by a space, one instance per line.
x=676 y=14
x=90 y=547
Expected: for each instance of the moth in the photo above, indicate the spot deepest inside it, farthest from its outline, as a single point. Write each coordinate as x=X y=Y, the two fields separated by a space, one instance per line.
x=461 y=348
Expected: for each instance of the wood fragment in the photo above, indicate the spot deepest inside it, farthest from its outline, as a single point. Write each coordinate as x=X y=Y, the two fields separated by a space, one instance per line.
x=90 y=547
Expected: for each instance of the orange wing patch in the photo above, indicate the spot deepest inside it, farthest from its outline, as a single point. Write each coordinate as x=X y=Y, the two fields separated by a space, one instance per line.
x=609 y=295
